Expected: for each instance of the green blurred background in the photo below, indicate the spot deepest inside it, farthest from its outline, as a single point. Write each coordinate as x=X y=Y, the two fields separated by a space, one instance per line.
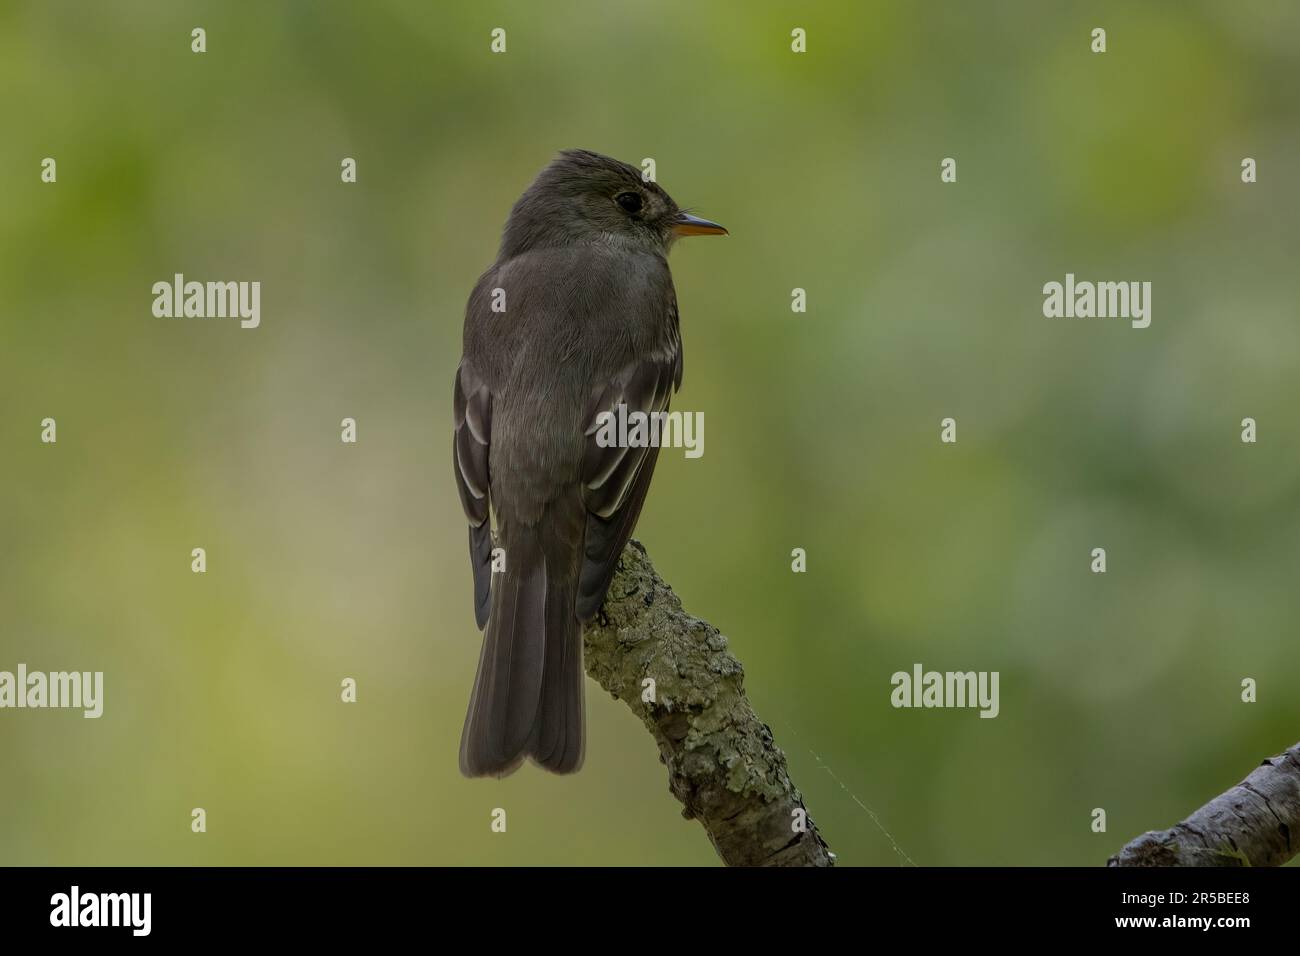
x=328 y=560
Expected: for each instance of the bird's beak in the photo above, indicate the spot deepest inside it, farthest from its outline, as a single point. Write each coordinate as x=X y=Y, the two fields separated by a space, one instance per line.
x=688 y=225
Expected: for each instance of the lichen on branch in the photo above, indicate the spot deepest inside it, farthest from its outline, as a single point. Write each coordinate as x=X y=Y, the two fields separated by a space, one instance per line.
x=677 y=674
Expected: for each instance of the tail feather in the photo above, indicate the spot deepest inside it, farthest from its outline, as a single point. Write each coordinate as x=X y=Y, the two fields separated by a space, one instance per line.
x=502 y=709
x=528 y=695
x=559 y=742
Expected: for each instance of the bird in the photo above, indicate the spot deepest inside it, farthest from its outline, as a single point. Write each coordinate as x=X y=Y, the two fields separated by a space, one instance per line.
x=575 y=317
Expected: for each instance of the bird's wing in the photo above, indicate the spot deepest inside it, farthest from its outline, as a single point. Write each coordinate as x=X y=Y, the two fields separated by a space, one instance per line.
x=615 y=478
x=472 y=404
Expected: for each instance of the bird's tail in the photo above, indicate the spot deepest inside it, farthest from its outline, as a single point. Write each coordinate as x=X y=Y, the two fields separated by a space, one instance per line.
x=528 y=695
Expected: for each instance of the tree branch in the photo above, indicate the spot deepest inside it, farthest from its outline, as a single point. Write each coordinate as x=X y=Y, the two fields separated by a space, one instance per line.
x=1256 y=823
x=723 y=764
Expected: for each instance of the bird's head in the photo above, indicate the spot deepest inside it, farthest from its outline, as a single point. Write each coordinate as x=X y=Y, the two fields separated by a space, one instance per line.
x=586 y=197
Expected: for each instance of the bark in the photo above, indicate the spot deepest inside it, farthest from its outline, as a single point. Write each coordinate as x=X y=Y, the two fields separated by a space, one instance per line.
x=723 y=764
x=1256 y=823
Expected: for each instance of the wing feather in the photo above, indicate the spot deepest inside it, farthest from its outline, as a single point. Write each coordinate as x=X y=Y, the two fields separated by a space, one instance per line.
x=616 y=477
x=471 y=439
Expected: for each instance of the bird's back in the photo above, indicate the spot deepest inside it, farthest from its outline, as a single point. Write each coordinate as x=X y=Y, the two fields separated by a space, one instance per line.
x=574 y=317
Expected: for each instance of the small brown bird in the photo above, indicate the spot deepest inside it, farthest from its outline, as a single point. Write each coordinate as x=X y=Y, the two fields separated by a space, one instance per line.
x=576 y=317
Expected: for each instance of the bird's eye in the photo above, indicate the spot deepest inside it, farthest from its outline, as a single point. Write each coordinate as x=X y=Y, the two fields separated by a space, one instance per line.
x=629 y=201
